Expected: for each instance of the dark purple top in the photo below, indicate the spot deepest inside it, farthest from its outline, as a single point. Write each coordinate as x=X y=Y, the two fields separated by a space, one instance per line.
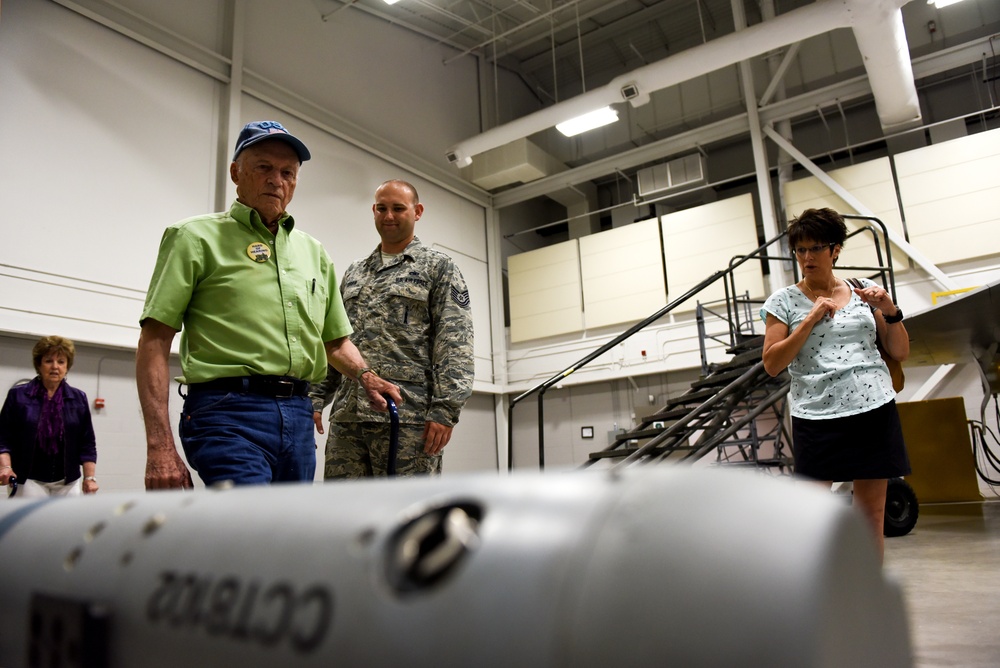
x=19 y=426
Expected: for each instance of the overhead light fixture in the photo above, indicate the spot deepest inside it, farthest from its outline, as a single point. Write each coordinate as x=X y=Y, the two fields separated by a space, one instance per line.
x=390 y=2
x=588 y=121
x=942 y=3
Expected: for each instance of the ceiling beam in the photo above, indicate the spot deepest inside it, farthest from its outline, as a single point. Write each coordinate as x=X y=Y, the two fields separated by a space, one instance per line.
x=788 y=109
x=886 y=63
x=607 y=32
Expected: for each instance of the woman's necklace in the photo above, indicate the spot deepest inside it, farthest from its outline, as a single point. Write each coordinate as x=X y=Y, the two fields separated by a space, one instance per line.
x=816 y=295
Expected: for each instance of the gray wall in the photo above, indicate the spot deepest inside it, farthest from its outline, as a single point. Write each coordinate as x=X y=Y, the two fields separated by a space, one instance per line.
x=108 y=139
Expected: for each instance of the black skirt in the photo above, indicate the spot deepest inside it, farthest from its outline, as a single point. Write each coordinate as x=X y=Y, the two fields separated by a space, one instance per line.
x=857 y=447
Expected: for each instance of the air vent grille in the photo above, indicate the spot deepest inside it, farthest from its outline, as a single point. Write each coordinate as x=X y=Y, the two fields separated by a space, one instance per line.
x=673 y=175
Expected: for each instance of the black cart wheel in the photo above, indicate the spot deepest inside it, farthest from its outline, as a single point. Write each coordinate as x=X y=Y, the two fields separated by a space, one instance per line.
x=901 y=508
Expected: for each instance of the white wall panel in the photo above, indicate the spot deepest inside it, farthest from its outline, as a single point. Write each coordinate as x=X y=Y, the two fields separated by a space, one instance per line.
x=105 y=142
x=622 y=273
x=951 y=196
x=198 y=21
x=698 y=242
x=472 y=446
x=476 y=274
x=872 y=184
x=110 y=142
x=545 y=292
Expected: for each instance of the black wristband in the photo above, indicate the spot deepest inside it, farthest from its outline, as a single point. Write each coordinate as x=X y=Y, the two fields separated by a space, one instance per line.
x=892 y=319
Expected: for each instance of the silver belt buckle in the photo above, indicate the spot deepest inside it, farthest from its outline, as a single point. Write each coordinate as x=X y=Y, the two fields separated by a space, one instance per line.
x=285 y=389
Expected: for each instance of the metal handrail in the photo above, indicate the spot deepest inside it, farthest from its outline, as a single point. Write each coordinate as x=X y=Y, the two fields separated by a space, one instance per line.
x=886 y=273
x=703 y=446
x=682 y=423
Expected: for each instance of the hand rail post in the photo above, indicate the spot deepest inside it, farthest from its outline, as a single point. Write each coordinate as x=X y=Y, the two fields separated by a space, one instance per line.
x=541 y=430
x=510 y=436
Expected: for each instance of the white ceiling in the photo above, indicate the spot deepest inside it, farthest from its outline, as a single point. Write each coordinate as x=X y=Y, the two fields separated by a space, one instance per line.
x=554 y=50
x=551 y=43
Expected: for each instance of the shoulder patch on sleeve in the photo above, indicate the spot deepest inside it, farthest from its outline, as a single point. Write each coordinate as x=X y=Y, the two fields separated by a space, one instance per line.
x=460 y=297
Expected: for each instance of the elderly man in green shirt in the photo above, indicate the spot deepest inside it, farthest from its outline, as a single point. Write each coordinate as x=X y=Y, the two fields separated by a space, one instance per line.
x=260 y=314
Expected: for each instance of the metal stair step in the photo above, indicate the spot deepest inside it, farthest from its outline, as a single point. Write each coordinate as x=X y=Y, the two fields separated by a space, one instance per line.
x=721 y=376
x=769 y=462
x=689 y=398
x=747 y=344
x=642 y=433
x=624 y=452
x=748 y=357
x=612 y=454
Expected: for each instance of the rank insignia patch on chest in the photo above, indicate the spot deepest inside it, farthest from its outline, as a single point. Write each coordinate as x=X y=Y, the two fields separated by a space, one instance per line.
x=258 y=251
x=460 y=297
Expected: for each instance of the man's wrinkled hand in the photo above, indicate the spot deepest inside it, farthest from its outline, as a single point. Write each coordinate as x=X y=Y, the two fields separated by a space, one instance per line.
x=375 y=387
x=166 y=472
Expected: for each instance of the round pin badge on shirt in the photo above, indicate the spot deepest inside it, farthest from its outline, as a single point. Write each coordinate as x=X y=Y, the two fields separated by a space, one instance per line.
x=258 y=251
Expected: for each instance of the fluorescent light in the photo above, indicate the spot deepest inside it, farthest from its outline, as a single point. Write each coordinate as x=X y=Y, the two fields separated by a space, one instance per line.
x=588 y=121
x=390 y=2
x=942 y=3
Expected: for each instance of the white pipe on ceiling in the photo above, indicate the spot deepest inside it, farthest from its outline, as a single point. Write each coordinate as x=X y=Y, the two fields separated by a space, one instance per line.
x=877 y=25
x=878 y=28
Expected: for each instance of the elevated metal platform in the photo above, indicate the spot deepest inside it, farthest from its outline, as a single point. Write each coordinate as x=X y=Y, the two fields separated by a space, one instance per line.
x=964 y=328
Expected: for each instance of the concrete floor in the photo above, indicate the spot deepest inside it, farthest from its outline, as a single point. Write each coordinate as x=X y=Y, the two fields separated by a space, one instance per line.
x=949 y=568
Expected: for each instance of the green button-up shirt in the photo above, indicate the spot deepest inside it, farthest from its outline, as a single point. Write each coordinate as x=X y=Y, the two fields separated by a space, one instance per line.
x=247 y=302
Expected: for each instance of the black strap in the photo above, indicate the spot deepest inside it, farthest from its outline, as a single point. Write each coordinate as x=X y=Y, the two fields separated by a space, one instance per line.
x=856 y=282
x=268 y=386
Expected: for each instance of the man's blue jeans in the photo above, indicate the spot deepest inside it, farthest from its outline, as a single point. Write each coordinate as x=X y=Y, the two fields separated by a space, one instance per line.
x=247 y=438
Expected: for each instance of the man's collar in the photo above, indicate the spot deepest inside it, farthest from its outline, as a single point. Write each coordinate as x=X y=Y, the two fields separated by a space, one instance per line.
x=410 y=247
x=247 y=216
x=376 y=256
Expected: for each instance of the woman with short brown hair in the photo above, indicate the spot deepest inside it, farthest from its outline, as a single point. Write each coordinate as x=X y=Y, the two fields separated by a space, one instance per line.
x=845 y=426
x=46 y=433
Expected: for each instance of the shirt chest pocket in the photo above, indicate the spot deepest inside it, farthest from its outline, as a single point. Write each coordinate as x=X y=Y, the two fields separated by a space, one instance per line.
x=408 y=302
x=351 y=293
x=317 y=302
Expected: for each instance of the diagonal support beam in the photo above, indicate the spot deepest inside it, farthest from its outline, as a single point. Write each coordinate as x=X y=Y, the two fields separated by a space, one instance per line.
x=779 y=74
x=919 y=258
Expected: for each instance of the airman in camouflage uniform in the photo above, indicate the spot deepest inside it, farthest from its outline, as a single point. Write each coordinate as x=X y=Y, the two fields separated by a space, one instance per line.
x=409 y=306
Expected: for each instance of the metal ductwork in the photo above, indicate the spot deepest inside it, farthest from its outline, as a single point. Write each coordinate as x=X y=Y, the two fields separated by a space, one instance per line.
x=520 y=161
x=877 y=26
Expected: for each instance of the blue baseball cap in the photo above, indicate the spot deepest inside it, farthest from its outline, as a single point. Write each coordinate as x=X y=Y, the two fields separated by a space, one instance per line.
x=258 y=131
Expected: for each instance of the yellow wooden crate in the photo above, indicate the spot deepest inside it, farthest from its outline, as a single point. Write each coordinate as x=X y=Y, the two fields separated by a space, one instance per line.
x=938 y=442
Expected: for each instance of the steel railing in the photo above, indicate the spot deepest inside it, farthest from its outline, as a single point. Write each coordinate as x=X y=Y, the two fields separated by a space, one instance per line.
x=884 y=270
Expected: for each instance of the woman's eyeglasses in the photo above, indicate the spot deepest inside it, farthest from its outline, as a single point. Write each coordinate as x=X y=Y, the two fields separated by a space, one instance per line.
x=815 y=250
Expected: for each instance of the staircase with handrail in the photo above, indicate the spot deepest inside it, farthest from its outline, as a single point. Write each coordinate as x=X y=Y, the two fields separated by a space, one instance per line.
x=735 y=410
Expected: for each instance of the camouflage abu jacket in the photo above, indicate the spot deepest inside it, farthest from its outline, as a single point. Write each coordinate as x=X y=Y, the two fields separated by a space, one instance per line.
x=413 y=325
